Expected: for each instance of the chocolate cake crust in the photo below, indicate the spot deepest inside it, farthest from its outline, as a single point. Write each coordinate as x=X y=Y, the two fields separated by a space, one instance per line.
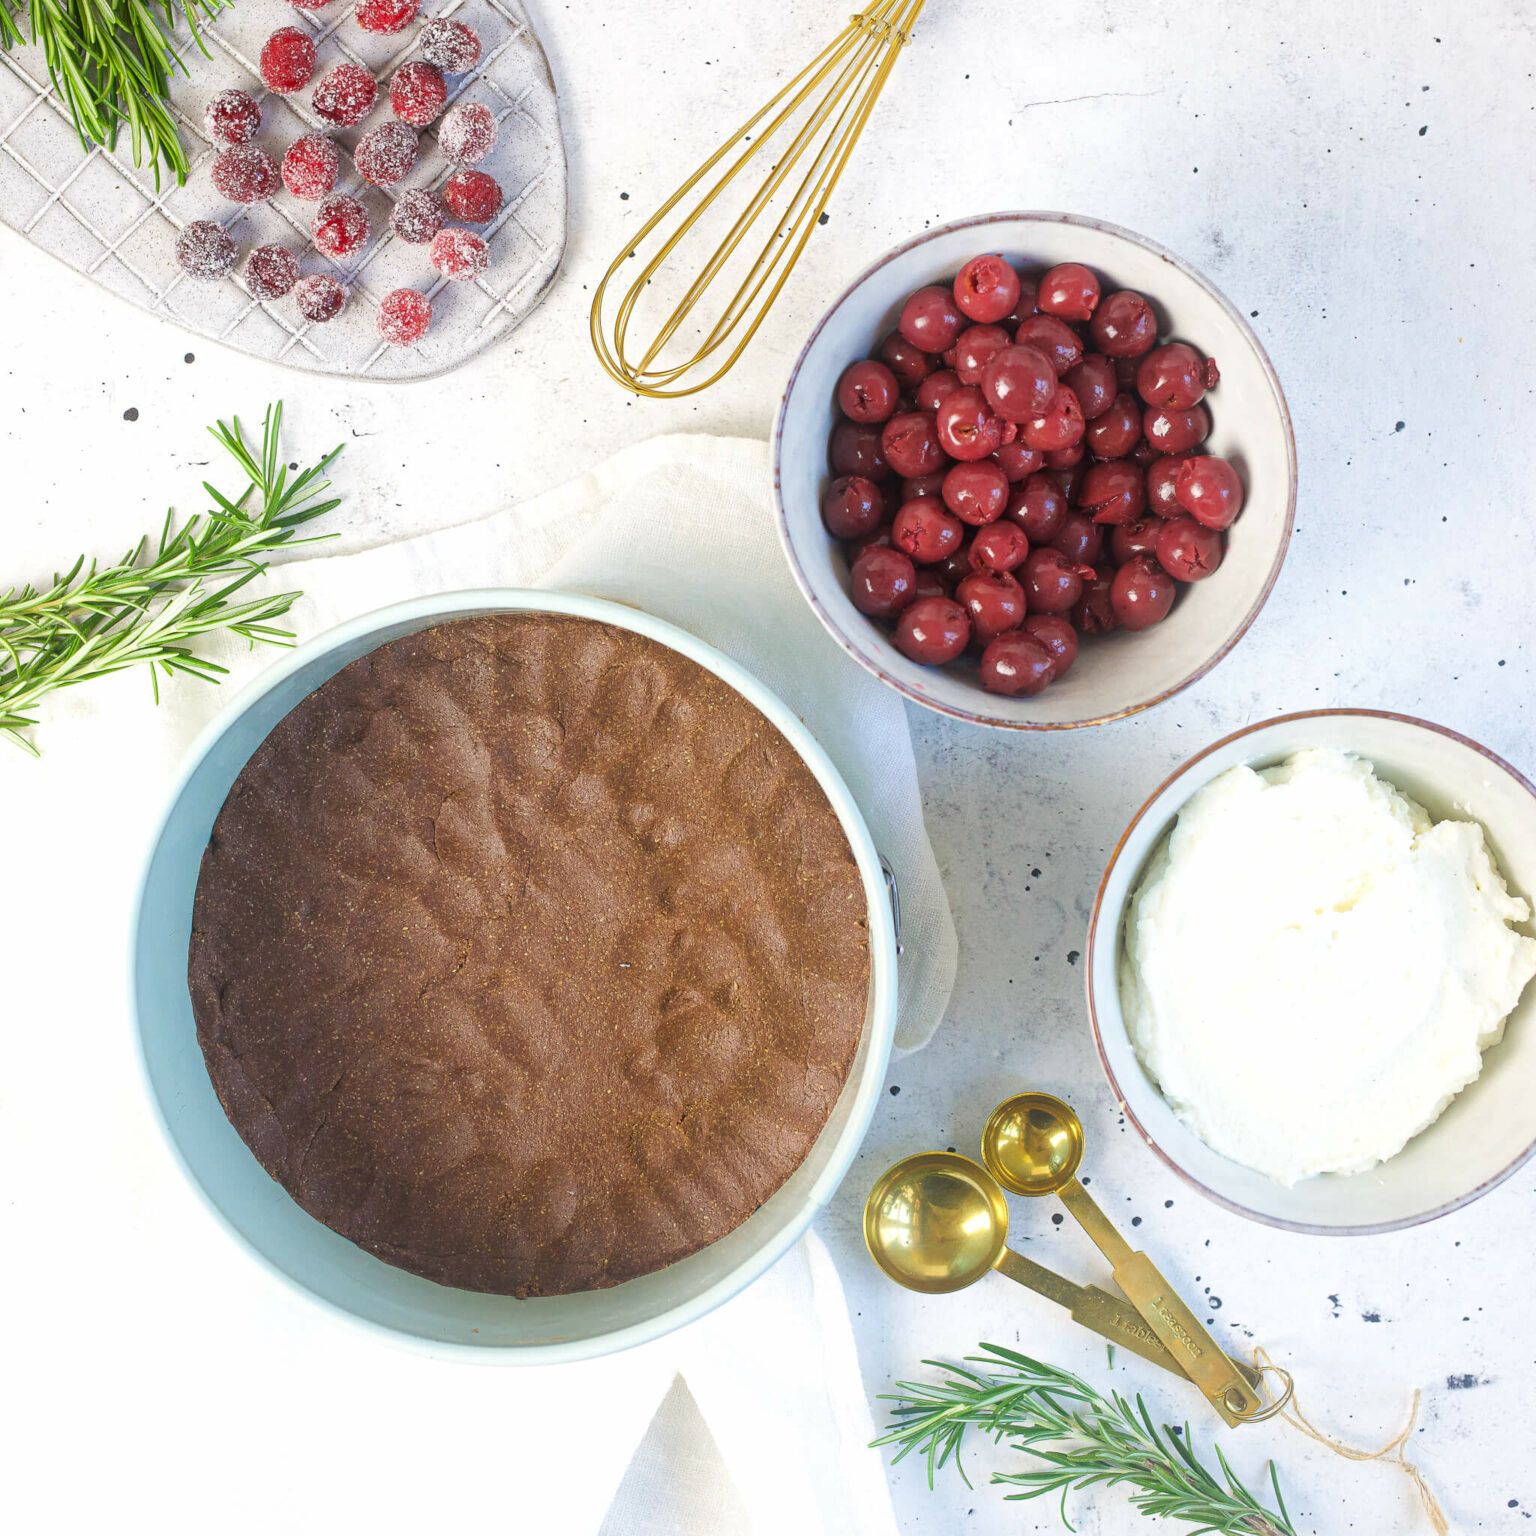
x=528 y=955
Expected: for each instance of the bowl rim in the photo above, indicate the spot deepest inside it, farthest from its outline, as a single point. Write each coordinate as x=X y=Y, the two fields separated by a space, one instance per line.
x=1308 y=1228
x=1081 y=221
x=883 y=963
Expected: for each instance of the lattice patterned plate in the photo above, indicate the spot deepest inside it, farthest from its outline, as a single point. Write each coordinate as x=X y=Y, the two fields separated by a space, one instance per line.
x=102 y=215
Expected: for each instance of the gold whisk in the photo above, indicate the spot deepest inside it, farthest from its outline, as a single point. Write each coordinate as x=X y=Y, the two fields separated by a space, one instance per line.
x=848 y=75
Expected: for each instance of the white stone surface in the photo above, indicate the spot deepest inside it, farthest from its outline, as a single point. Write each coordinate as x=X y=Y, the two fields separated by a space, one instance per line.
x=1355 y=177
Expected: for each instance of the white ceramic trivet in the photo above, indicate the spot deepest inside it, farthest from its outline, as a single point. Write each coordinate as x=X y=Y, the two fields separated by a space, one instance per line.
x=103 y=215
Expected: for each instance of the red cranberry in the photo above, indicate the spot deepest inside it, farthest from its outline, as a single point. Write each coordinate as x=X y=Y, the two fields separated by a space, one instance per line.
x=1029 y=293
x=1113 y=433
x=385 y=16
x=1209 y=490
x=854 y=449
x=1069 y=291
x=1051 y=582
x=1057 y=636
x=926 y=532
x=476 y=198
x=1127 y=540
x=404 y=316
x=287 y=60
x=931 y=319
x=1079 y=538
x=1162 y=482
x=1039 y=508
x=1062 y=346
x=986 y=289
x=911 y=444
x=1019 y=383
x=953 y=568
x=965 y=428
x=1070 y=480
x=232 y=117
x=270 y=272
x=206 y=251
x=1113 y=493
x=245 y=173
x=1124 y=325
x=932 y=630
x=1143 y=453
x=922 y=485
x=1171 y=430
x=417 y=215
x=1016 y=665
x=1063 y=459
x=341 y=226
x=417 y=93
x=1141 y=593
x=467 y=133
x=319 y=297
x=1187 y=550
x=311 y=166
x=976 y=348
x=1094 y=612
x=995 y=602
x=999 y=547
x=451 y=45
x=1018 y=460
x=1059 y=426
x=928 y=583
x=852 y=507
x=1093 y=382
x=882 y=582
x=910 y=364
x=867 y=391
x=1172 y=375
x=976 y=493
x=934 y=388
x=345 y=95
x=386 y=153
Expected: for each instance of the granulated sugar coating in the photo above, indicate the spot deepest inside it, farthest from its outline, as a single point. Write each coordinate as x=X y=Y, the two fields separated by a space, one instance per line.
x=319 y=297
x=245 y=173
x=451 y=45
x=459 y=254
x=345 y=95
x=472 y=196
x=386 y=15
x=311 y=166
x=287 y=60
x=341 y=225
x=468 y=133
x=417 y=216
x=386 y=153
x=417 y=92
x=404 y=316
x=206 y=250
x=270 y=271
x=232 y=117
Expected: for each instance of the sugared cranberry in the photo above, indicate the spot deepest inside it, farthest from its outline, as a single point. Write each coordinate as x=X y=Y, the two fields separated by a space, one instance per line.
x=1141 y=593
x=386 y=153
x=311 y=166
x=1172 y=375
x=852 y=507
x=933 y=389
x=911 y=445
x=451 y=45
x=340 y=226
x=476 y=198
x=232 y=117
x=1172 y=430
x=910 y=364
x=932 y=631
x=404 y=316
x=931 y=320
x=1060 y=425
x=1127 y=540
x=926 y=532
x=1187 y=550
x=319 y=297
x=1016 y=665
x=459 y=254
x=1162 y=481
x=999 y=547
x=986 y=289
x=1094 y=612
x=1051 y=582
x=964 y=426
x=1019 y=383
x=1124 y=325
x=206 y=251
x=1018 y=460
x=1069 y=291
x=309 y=5
x=287 y=60
x=1093 y=382
x=345 y=95
x=1062 y=346
x=976 y=493
x=245 y=173
x=854 y=449
x=417 y=93
x=1079 y=538
x=1039 y=508
x=867 y=391
x=1057 y=636
x=882 y=582
x=977 y=346
x=1209 y=490
x=270 y=272
x=468 y=133
x=994 y=601
x=1113 y=493
x=385 y=16
x=417 y=216
x=1114 y=431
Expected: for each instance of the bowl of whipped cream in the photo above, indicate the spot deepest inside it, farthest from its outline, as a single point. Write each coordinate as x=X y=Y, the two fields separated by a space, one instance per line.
x=1310 y=971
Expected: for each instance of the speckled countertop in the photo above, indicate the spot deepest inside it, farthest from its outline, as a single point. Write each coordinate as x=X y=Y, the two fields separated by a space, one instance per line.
x=1355 y=178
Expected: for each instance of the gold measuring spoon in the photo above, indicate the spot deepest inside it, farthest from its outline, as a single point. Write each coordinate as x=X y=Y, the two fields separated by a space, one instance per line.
x=937 y=1222
x=1033 y=1145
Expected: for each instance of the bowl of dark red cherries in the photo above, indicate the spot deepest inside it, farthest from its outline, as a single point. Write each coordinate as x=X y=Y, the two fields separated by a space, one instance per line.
x=1035 y=471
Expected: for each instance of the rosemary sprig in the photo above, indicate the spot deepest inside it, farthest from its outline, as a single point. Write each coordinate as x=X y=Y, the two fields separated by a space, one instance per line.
x=96 y=620
x=1083 y=1437
x=112 y=61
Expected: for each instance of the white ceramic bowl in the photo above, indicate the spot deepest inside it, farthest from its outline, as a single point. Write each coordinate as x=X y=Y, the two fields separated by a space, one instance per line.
x=325 y=1266
x=1489 y=1129
x=1250 y=425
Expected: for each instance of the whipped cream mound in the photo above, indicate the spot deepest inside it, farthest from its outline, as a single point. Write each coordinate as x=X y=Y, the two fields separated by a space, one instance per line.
x=1313 y=968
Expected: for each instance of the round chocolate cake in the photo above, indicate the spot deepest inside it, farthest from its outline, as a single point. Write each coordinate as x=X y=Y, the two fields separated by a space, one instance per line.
x=528 y=955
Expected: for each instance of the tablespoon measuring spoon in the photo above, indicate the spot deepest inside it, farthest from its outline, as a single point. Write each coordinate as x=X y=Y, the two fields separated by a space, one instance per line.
x=937 y=1222
x=1033 y=1145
